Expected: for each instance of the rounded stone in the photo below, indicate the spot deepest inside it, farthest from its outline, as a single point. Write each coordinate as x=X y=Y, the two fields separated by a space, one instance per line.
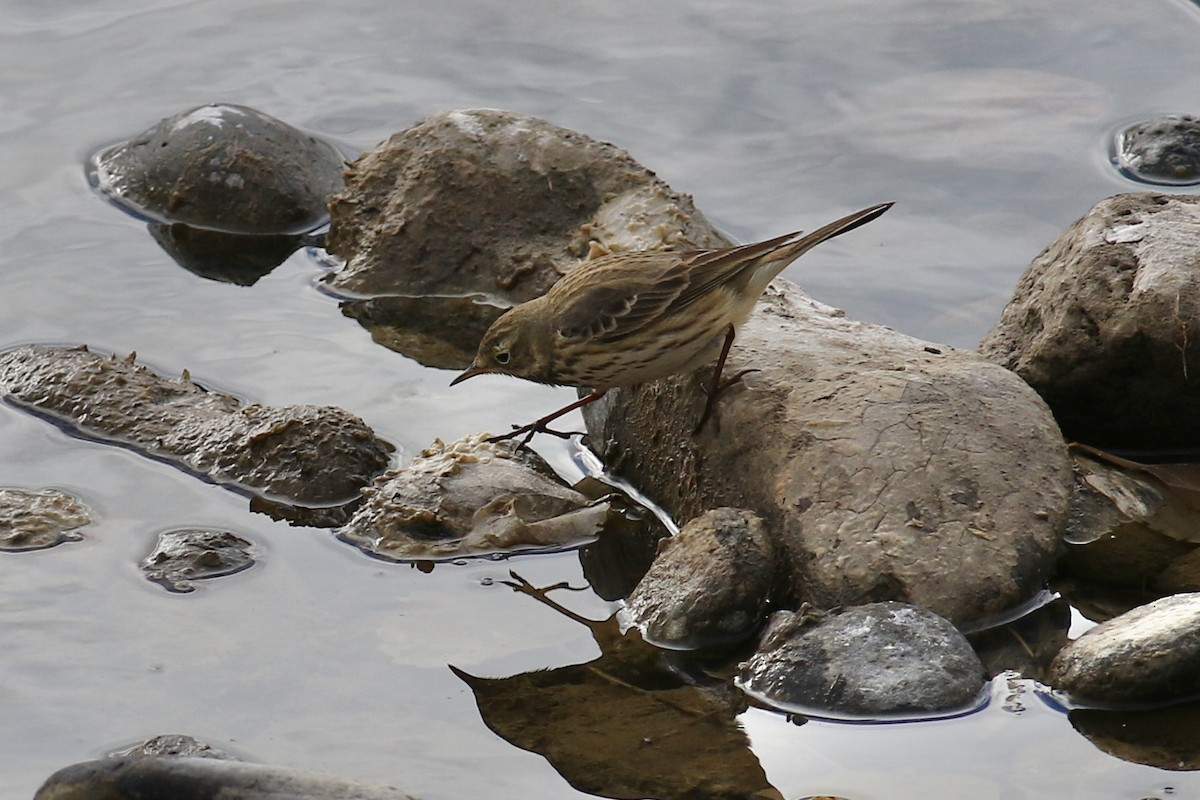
x=1101 y=324
x=1149 y=654
x=708 y=585
x=874 y=660
x=1163 y=149
x=223 y=167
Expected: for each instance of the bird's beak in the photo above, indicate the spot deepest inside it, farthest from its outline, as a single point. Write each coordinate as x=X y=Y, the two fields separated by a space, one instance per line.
x=471 y=372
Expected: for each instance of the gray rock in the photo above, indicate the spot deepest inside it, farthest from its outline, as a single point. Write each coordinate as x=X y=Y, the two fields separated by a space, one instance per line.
x=709 y=584
x=884 y=467
x=175 y=744
x=1149 y=654
x=308 y=455
x=1101 y=324
x=32 y=520
x=494 y=203
x=1162 y=149
x=190 y=554
x=223 y=167
x=873 y=660
x=140 y=778
x=471 y=498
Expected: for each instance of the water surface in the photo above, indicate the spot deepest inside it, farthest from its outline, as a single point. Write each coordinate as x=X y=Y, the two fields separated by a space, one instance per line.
x=986 y=123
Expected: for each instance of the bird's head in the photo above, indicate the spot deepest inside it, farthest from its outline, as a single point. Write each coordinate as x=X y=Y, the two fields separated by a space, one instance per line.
x=510 y=347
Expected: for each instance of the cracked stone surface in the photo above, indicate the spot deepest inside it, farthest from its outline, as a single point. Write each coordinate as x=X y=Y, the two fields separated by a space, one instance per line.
x=884 y=467
x=1102 y=324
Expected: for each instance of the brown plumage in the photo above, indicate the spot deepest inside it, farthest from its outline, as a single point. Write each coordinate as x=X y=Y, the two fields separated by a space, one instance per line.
x=627 y=318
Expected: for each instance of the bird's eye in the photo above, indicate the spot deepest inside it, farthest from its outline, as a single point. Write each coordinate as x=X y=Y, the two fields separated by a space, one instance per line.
x=502 y=356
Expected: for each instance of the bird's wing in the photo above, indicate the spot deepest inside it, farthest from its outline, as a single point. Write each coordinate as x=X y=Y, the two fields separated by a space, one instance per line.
x=609 y=299
x=708 y=269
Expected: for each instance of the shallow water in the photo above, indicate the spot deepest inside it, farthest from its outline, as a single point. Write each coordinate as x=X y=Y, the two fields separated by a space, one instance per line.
x=986 y=123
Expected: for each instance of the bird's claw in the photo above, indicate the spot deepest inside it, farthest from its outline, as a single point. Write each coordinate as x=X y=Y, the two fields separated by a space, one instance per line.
x=531 y=430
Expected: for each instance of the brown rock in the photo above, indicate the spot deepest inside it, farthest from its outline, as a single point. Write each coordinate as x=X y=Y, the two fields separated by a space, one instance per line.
x=886 y=468
x=497 y=203
x=309 y=455
x=1101 y=324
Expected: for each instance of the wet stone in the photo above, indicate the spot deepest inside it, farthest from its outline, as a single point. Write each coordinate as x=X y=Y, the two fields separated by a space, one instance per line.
x=223 y=167
x=708 y=585
x=190 y=554
x=32 y=520
x=144 y=777
x=471 y=497
x=175 y=744
x=1150 y=654
x=1163 y=149
x=302 y=455
x=877 y=660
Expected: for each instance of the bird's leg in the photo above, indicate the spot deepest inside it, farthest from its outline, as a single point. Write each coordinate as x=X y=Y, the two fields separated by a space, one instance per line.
x=539 y=426
x=716 y=386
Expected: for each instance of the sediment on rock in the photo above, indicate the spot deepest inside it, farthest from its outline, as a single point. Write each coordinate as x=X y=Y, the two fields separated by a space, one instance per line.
x=306 y=455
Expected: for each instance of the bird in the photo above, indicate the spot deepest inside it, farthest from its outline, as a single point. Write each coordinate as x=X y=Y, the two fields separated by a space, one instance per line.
x=631 y=317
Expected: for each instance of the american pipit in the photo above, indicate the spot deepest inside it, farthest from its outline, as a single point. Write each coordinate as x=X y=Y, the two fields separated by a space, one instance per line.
x=628 y=318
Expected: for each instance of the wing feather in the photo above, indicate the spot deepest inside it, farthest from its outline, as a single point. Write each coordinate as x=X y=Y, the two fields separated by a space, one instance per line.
x=610 y=299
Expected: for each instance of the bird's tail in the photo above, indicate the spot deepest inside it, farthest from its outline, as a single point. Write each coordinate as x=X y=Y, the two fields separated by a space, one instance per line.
x=778 y=253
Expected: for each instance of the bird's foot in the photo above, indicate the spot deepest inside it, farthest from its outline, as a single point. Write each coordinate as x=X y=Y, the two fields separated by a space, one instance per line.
x=531 y=430
x=713 y=393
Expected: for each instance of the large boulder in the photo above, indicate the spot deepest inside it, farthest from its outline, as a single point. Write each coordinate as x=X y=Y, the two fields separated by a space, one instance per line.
x=492 y=205
x=496 y=203
x=886 y=468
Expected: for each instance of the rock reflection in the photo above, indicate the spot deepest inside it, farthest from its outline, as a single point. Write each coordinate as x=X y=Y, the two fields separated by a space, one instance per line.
x=629 y=724
x=1164 y=737
x=441 y=332
x=240 y=259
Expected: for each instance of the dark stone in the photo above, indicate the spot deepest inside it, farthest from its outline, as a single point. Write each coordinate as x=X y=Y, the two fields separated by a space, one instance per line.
x=224 y=167
x=163 y=778
x=1162 y=149
x=874 y=661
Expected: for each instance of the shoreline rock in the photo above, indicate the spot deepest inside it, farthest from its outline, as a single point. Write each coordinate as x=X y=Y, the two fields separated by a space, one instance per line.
x=300 y=455
x=885 y=468
x=1100 y=325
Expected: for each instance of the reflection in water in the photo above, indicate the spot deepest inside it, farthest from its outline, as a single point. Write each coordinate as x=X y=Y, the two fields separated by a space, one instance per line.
x=1164 y=737
x=236 y=258
x=435 y=331
x=628 y=724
